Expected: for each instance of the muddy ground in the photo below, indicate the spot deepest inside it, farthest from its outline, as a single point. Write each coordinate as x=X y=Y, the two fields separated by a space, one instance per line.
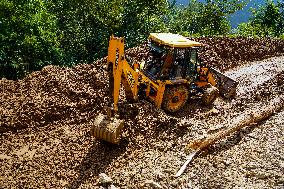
x=45 y=140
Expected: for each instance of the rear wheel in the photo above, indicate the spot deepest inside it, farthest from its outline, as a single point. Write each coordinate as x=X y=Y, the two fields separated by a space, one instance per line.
x=175 y=97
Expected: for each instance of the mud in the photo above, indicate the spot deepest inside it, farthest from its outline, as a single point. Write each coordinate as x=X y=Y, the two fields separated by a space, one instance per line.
x=45 y=141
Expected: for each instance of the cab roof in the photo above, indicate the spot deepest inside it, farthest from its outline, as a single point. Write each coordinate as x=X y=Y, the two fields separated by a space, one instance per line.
x=173 y=40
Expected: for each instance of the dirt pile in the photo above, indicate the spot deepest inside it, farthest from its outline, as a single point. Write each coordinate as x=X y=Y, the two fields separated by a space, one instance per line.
x=54 y=93
x=79 y=93
x=56 y=106
x=225 y=53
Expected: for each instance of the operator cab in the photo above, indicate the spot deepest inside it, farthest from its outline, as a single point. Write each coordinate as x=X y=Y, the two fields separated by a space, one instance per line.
x=171 y=57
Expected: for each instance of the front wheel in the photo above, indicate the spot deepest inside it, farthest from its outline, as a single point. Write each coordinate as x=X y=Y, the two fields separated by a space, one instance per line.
x=175 y=97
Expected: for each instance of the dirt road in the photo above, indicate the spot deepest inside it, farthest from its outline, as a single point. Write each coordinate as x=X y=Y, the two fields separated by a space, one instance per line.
x=253 y=75
x=62 y=154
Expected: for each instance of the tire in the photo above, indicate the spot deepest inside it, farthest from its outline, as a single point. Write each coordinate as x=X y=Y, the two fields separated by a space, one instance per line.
x=175 y=97
x=209 y=95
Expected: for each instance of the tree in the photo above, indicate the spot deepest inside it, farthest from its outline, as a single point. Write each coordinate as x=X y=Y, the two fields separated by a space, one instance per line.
x=204 y=18
x=267 y=20
x=280 y=25
x=142 y=17
x=28 y=37
x=87 y=24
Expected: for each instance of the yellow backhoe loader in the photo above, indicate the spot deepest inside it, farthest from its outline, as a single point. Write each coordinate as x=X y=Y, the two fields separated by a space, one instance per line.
x=171 y=74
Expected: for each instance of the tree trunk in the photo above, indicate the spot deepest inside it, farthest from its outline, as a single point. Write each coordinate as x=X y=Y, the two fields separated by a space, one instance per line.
x=247 y=118
x=253 y=116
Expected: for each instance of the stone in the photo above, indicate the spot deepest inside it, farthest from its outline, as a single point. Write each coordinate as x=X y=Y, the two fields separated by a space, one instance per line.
x=152 y=184
x=112 y=187
x=104 y=179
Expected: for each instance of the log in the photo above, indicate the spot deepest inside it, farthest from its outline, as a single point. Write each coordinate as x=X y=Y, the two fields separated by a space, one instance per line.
x=245 y=119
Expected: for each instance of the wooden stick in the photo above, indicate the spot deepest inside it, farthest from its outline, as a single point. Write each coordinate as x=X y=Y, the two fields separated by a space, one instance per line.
x=189 y=158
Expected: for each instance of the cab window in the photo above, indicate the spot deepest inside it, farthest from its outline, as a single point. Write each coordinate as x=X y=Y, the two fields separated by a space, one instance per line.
x=193 y=56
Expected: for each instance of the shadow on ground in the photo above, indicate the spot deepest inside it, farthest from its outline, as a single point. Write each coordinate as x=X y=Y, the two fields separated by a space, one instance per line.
x=99 y=156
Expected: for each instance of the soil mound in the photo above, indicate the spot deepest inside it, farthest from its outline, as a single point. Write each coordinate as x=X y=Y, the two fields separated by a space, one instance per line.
x=79 y=93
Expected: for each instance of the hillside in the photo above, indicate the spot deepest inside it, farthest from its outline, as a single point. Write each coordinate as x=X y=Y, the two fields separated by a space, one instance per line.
x=46 y=118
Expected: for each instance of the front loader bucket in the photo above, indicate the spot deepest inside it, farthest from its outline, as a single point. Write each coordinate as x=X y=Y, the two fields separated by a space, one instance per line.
x=227 y=86
x=108 y=129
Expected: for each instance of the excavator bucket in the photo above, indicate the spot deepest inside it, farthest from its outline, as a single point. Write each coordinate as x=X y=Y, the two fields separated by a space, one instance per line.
x=226 y=85
x=107 y=128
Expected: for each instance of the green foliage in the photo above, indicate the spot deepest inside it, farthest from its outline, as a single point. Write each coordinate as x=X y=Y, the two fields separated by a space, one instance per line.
x=35 y=33
x=28 y=37
x=86 y=25
x=267 y=20
x=247 y=29
x=139 y=18
x=203 y=18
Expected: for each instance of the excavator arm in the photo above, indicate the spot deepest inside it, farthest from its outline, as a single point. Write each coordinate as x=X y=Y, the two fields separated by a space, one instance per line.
x=120 y=72
x=108 y=127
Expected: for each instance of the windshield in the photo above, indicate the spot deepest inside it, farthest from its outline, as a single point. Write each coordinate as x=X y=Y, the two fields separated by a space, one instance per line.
x=155 y=47
x=193 y=56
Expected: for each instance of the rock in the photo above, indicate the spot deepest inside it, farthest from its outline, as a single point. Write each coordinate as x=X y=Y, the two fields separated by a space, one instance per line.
x=112 y=187
x=159 y=174
x=257 y=97
x=152 y=184
x=22 y=151
x=214 y=111
x=226 y=162
x=104 y=179
x=4 y=156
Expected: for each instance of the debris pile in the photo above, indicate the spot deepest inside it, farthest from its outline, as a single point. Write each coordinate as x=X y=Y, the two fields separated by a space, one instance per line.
x=225 y=53
x=45 y=141
x=54 y=93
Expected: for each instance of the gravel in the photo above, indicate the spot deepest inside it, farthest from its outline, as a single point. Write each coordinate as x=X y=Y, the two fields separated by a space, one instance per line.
x=45 y=141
